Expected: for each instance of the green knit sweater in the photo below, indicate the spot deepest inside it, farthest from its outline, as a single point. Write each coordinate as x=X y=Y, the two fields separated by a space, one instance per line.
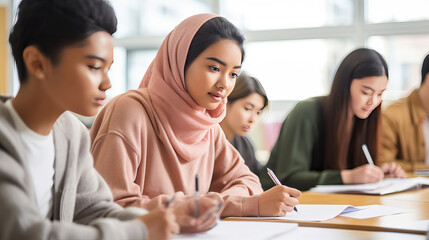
x=298 y=155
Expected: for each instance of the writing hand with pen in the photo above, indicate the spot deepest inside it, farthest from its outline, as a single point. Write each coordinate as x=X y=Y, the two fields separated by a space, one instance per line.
x=370 y=173
x=278 y=200
x=160 y=223
x=209 y=208
x=196 y=213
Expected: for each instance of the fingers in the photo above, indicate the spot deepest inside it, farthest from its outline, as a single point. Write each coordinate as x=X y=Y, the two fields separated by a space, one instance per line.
x=376 y=175
x=164 y=199
x=172 y=224
x=401 y=173
x=215 y=211
x=186 y=220
x=208 y=222
x=206 y=204
x=209 y=208
x=160 y=223
x=394 y=170
x=288 y=199
x=388 y=169
x=369 y=174
x=293 y=192
x=203 y=223
x=170 y=221
x=215 y=196
x=277 y=201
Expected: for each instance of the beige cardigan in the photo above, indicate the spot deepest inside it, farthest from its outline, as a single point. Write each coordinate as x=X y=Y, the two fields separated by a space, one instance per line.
x=132 y=152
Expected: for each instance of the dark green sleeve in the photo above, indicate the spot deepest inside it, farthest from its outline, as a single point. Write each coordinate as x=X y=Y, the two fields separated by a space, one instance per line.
x=292 y=154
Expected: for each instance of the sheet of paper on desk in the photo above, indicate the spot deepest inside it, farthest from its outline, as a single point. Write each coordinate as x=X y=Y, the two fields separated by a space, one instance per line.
x=386 y=186
x=422 y=225
x=312 y=212
x=421 y=172
x=242 y=230
x=371 y=211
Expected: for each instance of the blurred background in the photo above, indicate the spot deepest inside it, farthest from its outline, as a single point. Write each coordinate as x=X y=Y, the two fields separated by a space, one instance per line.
x=293 y=47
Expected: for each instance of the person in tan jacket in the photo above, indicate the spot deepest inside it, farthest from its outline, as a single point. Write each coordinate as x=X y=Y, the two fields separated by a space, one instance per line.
x=406 y=128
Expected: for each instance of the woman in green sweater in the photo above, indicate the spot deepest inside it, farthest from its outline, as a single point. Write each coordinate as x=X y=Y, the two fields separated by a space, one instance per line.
x=321 y=139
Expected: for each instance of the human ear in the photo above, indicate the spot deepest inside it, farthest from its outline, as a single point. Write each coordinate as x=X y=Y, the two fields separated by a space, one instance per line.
x=35 y=62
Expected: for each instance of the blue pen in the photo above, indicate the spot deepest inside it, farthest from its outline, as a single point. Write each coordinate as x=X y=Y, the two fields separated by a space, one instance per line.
x=277 y=182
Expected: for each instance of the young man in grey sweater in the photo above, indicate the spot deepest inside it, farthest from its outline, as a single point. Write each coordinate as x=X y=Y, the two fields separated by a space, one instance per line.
x=48 y=186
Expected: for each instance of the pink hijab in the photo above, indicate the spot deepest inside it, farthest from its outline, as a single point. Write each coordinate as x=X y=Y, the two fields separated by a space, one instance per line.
x=187 y=125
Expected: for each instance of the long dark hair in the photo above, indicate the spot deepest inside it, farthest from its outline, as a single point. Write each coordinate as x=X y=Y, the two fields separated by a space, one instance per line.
x=246 y=85
x=358 y=64
x=210 y=32
x=425 y=68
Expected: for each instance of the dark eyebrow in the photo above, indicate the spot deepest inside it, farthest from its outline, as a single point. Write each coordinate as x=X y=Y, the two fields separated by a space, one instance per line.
x=251 y=104
x=372 y=88
x=96 y=57
x=220 y=61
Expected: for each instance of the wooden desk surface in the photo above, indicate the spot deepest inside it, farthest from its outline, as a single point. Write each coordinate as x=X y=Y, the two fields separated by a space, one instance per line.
x=417 y=201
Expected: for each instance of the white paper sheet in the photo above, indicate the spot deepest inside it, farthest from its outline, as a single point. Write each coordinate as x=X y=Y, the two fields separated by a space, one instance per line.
x=386 y=186
x=422 y=225
x=312 y=212
x=235 y=230
x=370 y=211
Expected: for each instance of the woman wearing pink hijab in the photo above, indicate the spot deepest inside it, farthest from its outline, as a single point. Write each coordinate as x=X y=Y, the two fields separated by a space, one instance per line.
x=149 y=143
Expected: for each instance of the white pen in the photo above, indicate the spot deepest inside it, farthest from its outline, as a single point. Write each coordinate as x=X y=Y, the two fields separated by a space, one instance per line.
x=367 y=155
x=277 y=182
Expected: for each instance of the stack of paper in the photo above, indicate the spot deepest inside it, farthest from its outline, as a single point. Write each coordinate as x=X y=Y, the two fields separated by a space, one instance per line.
x=386 y=186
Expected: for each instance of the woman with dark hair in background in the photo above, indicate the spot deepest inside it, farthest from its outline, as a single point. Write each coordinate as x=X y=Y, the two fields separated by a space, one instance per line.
x=321 y=139
x=245 y=104
x=150 y=143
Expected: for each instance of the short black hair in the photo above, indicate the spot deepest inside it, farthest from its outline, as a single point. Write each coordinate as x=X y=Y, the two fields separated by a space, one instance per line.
x=425 y=68
x=51 y=25
x=210 y=32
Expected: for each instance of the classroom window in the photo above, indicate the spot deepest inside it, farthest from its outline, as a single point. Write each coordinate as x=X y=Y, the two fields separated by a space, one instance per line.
x=139 y=61
x=379 y=11
x=154 y=17
x=404 y=54
x=296 y=69
x=282 y=14
x=117 y=72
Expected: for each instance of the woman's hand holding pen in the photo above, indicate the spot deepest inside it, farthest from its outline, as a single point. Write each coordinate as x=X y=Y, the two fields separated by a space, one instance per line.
x=209 y=208
x=363 y=174
x=278 y=200
x=393 y=170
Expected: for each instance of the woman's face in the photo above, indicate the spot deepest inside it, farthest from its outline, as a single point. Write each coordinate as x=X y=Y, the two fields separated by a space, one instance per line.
x=243 y=113
x=365 y=95
x=211 y=77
